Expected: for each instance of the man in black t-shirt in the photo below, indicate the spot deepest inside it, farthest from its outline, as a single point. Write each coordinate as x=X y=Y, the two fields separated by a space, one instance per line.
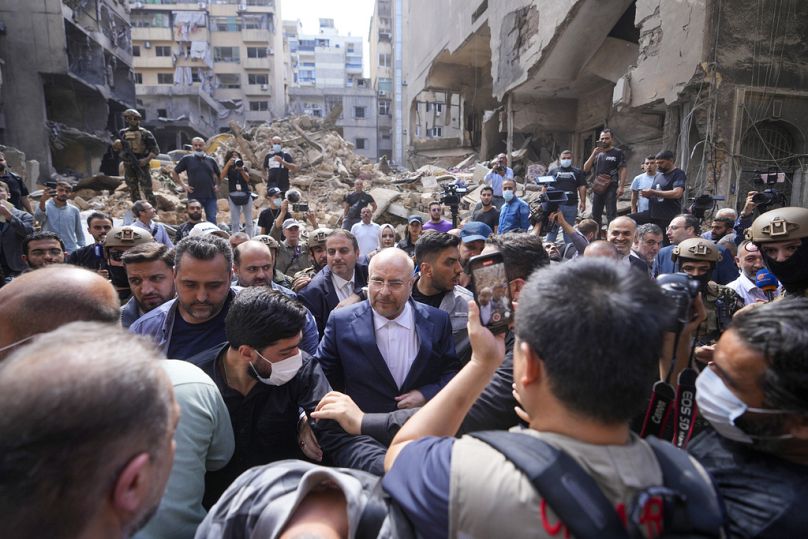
x=485 y=211
x=268 y=215
x=665 y=195
x=353 y=203
x=203 y=177
x=194 y=209
x=611 y=161
x=278 y=163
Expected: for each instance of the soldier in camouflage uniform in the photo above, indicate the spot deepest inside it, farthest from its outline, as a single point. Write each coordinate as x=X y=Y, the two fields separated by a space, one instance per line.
x=697 y=257
x=316 y=243
x=136 y=146
x=781 y=235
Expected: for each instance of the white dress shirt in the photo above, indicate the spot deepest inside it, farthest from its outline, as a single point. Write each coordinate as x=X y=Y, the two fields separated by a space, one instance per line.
x=397 y=341
x=748 y=290
x=343 y=288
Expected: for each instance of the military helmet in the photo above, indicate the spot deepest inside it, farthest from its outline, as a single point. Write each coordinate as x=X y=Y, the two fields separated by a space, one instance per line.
x=317 y=237
x=126 y=237
x=696 y=249
x=268 y=240
x=780 y=224
x=132 y=112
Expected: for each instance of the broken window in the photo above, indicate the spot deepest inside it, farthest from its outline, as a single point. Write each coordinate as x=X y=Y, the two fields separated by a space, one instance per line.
x=361 y=143
x=359 y=112
x=150 y=20
x=257 y=78
x=135 y=50
x=162 y=113
x=138 y=78
x=256 y=52
x=259 y=106
x=226 y=24
x=384 y=107
x=230 y=81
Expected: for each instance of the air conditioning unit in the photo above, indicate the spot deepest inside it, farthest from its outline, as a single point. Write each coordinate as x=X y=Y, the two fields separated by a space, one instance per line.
x=202 y=5
x=138 y=5
x=265 y=87
x=242 y=7
x=147 y=45
x=382 y=93
x=270 y=51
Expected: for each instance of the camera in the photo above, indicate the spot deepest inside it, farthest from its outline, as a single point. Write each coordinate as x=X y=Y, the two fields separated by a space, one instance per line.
x=682 y=290
x=769 y=196
x=703 y=203
x=239 y=163
x=300 y=206
x=452 y=194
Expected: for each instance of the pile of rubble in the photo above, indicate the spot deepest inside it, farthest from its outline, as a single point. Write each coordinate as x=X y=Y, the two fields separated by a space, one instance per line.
x=328 y=167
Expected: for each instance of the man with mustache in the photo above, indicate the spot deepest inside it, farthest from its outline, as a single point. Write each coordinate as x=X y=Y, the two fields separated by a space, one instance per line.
x=193 y=322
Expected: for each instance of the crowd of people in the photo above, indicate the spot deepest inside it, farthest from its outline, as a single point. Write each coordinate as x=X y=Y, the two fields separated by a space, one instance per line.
x=344 y=381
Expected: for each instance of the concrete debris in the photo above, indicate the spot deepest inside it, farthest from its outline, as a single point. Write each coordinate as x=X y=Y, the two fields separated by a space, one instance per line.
x=328 y=165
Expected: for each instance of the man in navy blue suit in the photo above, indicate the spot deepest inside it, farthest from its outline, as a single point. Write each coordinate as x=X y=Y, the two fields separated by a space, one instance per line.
x=684 y=227
x=388 y=352
x=339 y=280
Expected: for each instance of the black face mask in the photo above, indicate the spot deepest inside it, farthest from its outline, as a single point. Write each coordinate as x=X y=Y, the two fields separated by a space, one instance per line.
x=118 y=277
x=703 y=280
x=793 y=273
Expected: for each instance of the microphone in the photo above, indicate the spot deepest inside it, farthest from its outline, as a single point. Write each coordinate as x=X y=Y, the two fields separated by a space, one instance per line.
x=766 y=281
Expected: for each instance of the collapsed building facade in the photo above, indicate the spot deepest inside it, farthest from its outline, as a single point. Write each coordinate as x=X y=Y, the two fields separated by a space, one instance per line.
x=719 y=83
x=67 y=77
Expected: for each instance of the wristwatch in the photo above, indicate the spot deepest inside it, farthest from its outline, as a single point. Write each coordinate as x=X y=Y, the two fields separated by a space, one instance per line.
x=362 y=293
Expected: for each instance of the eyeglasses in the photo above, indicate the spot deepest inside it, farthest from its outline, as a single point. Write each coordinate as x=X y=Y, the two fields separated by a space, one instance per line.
x=394 y=285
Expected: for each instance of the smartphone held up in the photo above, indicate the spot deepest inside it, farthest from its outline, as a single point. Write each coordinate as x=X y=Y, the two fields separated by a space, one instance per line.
x=492 y=293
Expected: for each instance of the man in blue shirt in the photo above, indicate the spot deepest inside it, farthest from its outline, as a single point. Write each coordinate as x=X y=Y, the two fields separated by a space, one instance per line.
x=500 y=171
x=515 y=213
x=56 y=215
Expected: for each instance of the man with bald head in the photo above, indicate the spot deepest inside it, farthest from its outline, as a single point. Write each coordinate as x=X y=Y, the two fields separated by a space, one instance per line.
x=70 y=293
x=621 y=234
x=602 y=249
x=388 y=351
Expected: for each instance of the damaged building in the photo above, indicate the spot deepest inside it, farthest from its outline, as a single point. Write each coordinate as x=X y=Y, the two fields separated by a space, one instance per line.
x=67 y=77
x=719 y=83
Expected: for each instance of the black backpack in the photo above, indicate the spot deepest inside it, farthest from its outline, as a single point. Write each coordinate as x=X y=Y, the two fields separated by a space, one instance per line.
x=691 y=507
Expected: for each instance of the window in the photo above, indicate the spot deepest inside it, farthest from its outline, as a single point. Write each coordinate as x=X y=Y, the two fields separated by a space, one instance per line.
x=230 y=81
x=253 y=22
x=195 y=75
x=135 y=50
x=386 y=136
x=259 y=106
x=162 y=50
x=226 y=24
x=359 y=112
x=438 y=108
x=254 y=78
x=138 y=78
x=384 y=85
x=360 y=143
x=165 y=78
x=384 y=108
x=162 y=113
x=226 y=54
x=150 y=20
x=256 y=52
x=384 y=60
x=434 y=132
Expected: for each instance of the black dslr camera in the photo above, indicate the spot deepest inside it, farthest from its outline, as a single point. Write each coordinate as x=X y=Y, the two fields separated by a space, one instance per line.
x=769 y=196
x=682 y=290
x=297 y=205
x=239 y=163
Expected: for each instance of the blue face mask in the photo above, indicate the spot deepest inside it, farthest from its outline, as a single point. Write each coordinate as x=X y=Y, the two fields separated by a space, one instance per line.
x=565 y=163
x=507 y=195
x=276 y=148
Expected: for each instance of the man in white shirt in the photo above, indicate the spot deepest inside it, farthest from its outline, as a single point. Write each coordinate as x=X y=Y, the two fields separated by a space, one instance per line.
x=366 y=232
x=641 y=182
x=750 y=261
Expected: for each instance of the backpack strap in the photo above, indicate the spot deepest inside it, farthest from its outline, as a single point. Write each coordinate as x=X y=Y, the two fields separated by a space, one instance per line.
x=572 y=494
x=703 y=512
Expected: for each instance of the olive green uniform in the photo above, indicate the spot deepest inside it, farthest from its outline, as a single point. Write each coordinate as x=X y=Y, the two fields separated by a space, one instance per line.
x=142 y=143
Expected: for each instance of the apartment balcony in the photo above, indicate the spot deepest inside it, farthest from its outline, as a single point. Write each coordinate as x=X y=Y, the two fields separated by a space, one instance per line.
x=152 y=62
x=225 y=94
x=256 y=36
x=258 y=90
x=152 y=34
x=226 y=67
x=163 y=5
x=256 y=63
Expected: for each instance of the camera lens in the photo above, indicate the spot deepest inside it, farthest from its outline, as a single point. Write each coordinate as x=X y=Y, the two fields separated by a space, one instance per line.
x=762 y=199
x=239 y=163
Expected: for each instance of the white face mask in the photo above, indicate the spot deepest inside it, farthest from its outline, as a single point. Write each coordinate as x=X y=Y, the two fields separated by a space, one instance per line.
x=721 y=408
x=565 y=163
x=199 y=153
x=276 y=148
x=507 y=195
x=282 y=371
x=276 y=201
